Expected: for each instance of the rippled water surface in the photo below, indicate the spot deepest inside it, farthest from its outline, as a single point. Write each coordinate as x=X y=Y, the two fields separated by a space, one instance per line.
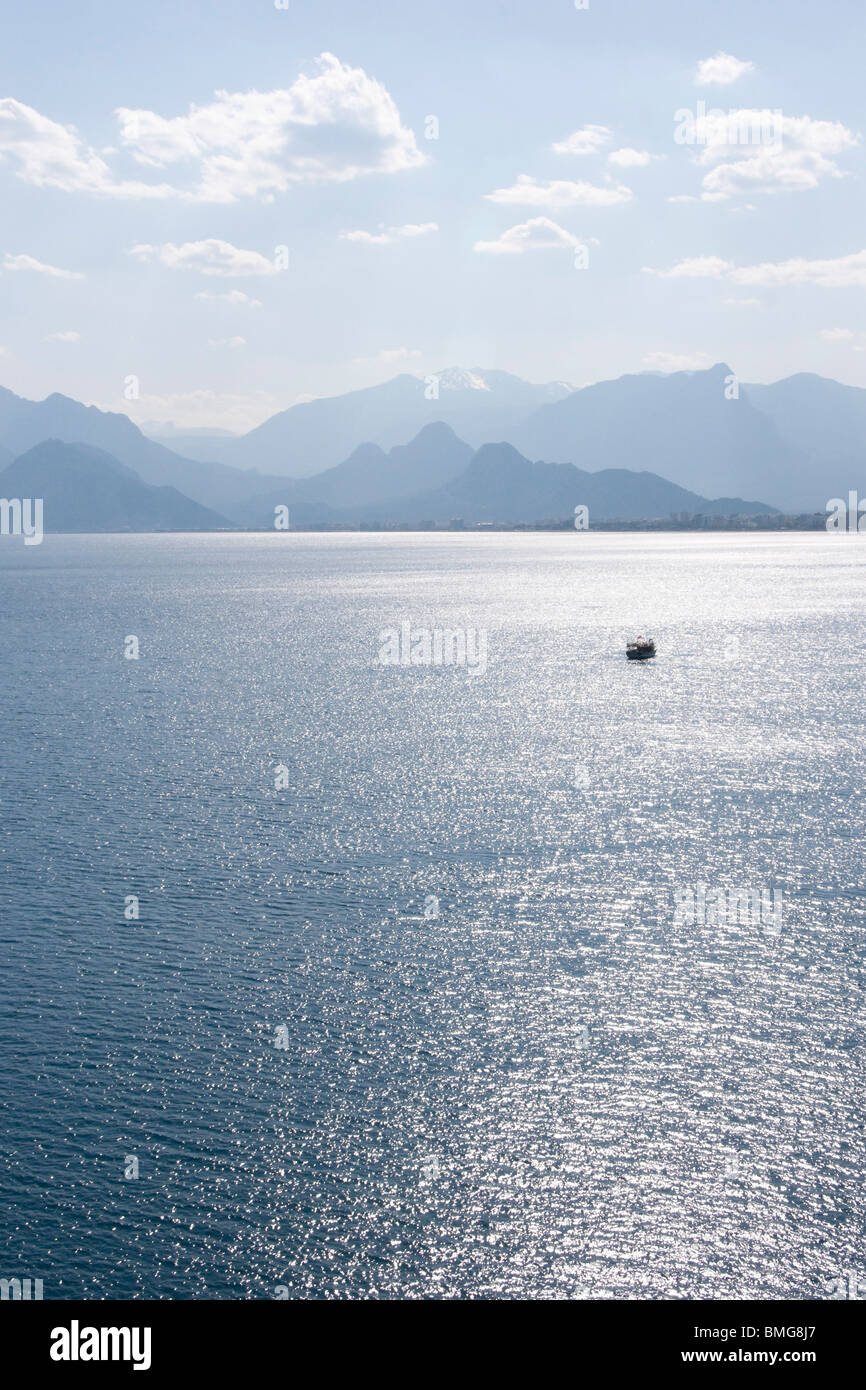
x=557 y=1087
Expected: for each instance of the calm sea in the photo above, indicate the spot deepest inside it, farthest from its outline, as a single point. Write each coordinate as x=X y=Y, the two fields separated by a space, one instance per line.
x=440 y=983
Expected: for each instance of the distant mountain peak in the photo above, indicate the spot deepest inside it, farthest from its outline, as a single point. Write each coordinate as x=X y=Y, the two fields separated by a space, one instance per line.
x=87 y=489
x=501 y=450
x=495 y=380
x=437 y=429
x=458 y=379
x=367 y=453
x=59 y=453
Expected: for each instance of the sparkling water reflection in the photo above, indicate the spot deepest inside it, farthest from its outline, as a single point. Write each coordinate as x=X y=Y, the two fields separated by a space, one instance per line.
x=548 y=1088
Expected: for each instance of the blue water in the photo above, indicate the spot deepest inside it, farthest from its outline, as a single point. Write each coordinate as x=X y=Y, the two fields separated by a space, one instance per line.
x=554 y=1088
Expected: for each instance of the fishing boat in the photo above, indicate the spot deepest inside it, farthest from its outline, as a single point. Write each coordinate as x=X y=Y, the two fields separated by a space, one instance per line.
x=640 y=649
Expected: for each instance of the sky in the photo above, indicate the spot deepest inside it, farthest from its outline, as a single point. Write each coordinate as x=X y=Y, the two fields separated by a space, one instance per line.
x=211 y=211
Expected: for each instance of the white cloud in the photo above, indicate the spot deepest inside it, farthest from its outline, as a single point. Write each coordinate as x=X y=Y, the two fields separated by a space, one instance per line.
x=11 y=262
x=841 y=272
x=586 y=141
x=768 y=171
x=387 y=235
x=676 y=361
x=226 y=342
x=629 y=159
x=50 y=155
x=538 y=234
x=694 y=268
x=68 y=337
x=753 y=151
x=411 y=229
x=382 y=238
x=210 y=257
x=559 y=193
x=333 y=126
x=230 y=297
x=721 y=70
x=743 y=303
x=721 y=134
x=836 y=335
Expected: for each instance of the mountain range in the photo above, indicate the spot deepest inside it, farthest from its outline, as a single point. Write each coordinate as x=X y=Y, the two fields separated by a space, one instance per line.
x=24 y=423
x=314 y=435
x=640 y=446
x=499 y=484
x=85 y=489
x=793 y=443
x=683 y=426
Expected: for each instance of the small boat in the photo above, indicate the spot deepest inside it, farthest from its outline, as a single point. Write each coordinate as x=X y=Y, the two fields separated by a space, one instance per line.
x=640 y=649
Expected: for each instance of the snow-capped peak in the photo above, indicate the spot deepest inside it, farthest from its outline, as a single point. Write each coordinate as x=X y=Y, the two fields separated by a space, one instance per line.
x=458 y=379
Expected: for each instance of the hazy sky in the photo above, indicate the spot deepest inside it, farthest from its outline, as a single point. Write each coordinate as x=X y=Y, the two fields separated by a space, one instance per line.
x=153 y=157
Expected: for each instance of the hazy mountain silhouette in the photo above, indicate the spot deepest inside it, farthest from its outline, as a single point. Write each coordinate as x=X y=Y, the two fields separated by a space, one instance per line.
x=681 y=426
x=792 y=444
x=428 y=460
x=824 y=420
x=368 y=476
x=315 y=435
x=685 y=426
x=85 y=489
x=24 y=423
x=500 y=485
